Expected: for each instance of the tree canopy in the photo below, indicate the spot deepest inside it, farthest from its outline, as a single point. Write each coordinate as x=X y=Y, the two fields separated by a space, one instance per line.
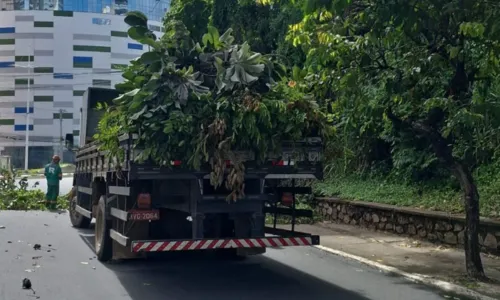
x=419 y=76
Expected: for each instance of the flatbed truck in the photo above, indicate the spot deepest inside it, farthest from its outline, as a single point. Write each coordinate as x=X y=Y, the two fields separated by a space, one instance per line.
x=141 y=208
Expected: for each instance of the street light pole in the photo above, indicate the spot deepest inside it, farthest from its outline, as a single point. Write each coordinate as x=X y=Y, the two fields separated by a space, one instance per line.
x=61 y=146
x=26 y=145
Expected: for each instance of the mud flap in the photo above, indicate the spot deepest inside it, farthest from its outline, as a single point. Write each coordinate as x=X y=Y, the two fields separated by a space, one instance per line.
x=138 y=230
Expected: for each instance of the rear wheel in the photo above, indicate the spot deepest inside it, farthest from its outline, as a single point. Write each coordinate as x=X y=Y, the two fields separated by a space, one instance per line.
x=77 y=220
x=103 y=242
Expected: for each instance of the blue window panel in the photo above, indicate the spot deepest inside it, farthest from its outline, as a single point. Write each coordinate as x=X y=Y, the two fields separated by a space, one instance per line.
x=6 y=64
x=22 y=110
x=82 y=59
x=76 y=5
x=134 y=46
x=63 y=76
x=22 y=127
x=101 y=21
x=7 y=29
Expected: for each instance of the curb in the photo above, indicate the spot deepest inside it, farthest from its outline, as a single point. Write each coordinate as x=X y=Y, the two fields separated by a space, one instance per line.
x=440 y=284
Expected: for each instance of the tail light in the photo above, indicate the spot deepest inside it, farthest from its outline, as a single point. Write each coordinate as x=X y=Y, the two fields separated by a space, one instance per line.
x=287 y=199
x=144 y=201
x=176 y=163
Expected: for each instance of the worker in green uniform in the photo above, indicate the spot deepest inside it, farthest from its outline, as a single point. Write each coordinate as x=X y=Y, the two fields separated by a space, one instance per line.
x=53 y=173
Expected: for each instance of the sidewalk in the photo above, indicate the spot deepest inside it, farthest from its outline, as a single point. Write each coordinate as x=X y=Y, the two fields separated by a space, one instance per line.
x=406 y=254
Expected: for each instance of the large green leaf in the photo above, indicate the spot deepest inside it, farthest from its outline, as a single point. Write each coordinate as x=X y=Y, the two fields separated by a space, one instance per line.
x=150 y=57
x=138 y=114
x=136 y=18
x=138 y=32
x=212 y=38
x=245 y=68
x=126 y=95
x=227 y=38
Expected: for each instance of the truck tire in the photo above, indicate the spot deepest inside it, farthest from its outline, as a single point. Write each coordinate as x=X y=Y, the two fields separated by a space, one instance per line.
x=77 y=220
x=103 y=242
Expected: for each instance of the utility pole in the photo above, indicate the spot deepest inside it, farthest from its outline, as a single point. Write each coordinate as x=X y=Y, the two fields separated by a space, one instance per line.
x=61 y=147
x=26 y=143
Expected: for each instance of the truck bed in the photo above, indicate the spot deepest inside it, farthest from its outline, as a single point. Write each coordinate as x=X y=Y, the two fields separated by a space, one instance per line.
x=298 y=160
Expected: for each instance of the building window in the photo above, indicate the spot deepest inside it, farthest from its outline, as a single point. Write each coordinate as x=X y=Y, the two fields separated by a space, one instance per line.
x=22 y=127
x=134 y=46
x=101 y=21
x=22 y=110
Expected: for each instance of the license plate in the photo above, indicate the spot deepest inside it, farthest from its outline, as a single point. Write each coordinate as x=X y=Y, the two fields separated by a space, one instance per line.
x=144 y=215
x=294 y=156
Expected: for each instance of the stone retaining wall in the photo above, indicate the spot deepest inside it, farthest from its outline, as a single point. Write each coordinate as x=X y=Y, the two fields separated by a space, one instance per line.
x=432 y=226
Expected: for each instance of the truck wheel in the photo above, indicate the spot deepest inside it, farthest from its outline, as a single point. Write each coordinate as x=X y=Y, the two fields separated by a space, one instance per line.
x=103 y=242
x=77 y=220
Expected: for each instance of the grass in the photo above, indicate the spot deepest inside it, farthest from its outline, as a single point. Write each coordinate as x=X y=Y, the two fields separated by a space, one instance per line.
x=438 y=196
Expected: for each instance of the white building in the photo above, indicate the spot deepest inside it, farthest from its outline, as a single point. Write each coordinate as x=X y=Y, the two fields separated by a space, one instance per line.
x=60 y=54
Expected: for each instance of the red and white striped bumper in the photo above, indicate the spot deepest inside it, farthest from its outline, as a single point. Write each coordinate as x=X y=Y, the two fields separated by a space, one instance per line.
x=185 y=245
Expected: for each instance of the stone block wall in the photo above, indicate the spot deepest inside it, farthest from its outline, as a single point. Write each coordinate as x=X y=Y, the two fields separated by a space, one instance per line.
x=429 y=225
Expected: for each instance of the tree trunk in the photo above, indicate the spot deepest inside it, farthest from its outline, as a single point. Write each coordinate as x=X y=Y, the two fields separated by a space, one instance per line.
x=471 y=238
x=444 y=152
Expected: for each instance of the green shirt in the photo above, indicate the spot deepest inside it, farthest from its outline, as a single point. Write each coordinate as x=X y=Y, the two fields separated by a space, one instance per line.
x=52 y=172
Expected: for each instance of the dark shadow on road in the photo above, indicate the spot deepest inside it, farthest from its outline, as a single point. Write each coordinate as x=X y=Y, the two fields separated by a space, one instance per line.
x=201 y=276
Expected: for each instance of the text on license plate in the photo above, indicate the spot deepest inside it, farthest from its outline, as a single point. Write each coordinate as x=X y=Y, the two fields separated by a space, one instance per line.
x=144 y=215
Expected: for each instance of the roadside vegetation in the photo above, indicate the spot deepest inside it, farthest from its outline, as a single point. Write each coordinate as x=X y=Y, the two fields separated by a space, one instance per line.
x=16 y=194
x=436 y=195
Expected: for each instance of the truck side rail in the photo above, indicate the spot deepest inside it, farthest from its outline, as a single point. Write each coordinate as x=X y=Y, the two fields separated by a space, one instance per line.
x=300 y=160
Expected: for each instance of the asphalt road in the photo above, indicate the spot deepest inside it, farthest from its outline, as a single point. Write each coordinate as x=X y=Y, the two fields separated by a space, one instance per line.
x=67 y=269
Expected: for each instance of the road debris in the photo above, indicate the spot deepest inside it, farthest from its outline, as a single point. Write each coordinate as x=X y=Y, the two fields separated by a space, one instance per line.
x=9 y=242
x=84 y=263
x=37 y=247
x=27 y=284
x=2 y=227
